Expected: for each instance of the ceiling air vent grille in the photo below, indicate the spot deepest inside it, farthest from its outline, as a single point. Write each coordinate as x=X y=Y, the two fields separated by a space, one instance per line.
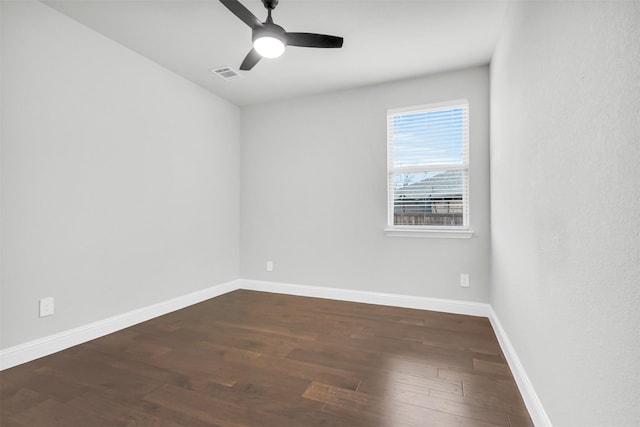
x=226 y=73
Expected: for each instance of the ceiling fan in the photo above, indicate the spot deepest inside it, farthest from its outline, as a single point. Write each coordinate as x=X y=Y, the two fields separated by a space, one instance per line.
x=269 y=39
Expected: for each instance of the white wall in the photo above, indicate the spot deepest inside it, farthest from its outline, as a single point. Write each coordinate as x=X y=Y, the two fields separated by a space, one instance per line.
x=314 y=193
x=565 y=204
x=119 y=178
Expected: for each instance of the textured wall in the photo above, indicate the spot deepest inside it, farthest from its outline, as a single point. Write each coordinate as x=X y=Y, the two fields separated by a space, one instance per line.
x=119 y=178
x=565 y=204
x=314 y=193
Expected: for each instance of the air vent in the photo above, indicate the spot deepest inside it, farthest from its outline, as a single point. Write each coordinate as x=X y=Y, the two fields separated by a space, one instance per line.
x=226 y=73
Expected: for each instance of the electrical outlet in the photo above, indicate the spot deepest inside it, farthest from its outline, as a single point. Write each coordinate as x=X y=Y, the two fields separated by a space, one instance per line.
x=269 y=265
x=464 y=280
x=46 y=306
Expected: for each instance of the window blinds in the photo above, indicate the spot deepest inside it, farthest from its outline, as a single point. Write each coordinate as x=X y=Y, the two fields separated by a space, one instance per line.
x=428 y=165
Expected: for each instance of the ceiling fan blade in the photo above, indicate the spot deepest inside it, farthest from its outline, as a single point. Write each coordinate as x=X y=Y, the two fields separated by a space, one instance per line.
x=313 y=40
x=242 y=12
x=250 y=60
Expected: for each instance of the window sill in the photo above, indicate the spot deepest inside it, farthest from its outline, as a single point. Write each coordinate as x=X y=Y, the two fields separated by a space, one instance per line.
x=432 y=233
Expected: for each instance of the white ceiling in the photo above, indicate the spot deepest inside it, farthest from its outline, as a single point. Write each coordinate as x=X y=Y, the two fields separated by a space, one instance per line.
x=383 y=40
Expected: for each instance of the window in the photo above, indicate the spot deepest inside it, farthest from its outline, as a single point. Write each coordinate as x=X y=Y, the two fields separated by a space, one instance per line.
x=428 y=170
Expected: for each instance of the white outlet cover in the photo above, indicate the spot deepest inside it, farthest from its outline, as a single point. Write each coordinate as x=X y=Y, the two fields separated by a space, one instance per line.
x=46 y=306
x=269 y=265
x=464 y=280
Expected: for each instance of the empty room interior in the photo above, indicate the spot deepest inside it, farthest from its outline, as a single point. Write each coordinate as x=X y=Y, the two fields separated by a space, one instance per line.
x=423 y=213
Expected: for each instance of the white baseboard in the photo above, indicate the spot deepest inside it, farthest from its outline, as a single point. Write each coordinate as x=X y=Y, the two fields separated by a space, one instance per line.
x=529 y=395
x=367 y=297
x=36 y=349
x=44 y=346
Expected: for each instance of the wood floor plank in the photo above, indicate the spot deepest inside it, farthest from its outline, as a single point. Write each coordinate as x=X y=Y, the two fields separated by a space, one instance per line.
x=35 y=377
x=95 y=374
x=19 y=399
x=383 y=385
x=57 y=414
x=212 y=409
x=385 y=412
x=493 y=403
x=520 y=421
x=261 y=359
x=11 y=422
x=114 y=412
x=491 y=367
x=135 y=365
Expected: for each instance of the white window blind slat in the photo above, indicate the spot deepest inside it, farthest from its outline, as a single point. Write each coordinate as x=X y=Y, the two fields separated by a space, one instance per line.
x=428 y=165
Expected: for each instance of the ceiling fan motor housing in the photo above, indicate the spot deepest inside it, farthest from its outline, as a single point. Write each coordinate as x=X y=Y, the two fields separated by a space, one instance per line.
x=270 y=30
x=270 y=4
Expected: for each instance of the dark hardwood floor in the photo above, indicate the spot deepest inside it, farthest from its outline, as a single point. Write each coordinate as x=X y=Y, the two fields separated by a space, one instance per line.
x=259 y=359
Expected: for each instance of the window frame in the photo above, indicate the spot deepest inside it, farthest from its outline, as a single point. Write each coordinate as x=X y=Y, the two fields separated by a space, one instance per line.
x=439 y=231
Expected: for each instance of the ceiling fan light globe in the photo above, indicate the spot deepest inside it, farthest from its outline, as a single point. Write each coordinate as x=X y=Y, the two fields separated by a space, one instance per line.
x=268 y=46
